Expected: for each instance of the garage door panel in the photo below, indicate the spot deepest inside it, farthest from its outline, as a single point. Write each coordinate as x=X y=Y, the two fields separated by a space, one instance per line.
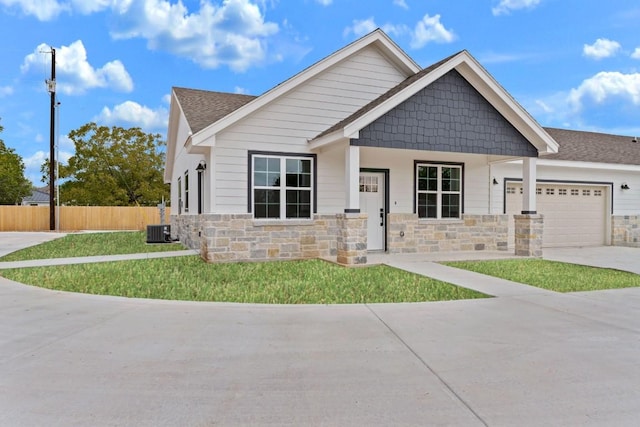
x=574 y=215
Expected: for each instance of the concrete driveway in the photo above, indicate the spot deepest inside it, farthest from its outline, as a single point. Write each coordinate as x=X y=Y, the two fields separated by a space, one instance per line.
x=13 y=241
x=536 y=359
x=619 y=258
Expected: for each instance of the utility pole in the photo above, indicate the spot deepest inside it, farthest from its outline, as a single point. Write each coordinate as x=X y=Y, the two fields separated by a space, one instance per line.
x=51 y=86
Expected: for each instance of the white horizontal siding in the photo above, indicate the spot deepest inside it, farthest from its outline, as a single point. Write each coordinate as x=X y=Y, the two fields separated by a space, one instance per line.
x=289 y=122
x=331 y=187
x=184 y=161
x=401 y=176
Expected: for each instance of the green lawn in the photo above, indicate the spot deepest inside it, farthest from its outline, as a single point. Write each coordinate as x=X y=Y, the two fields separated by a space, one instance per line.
x=555 y=276
x=282 y=282
x=90 y=244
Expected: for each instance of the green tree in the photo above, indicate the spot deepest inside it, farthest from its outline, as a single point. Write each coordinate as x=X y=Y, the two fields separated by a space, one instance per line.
x=113 y=167
x=13 y=184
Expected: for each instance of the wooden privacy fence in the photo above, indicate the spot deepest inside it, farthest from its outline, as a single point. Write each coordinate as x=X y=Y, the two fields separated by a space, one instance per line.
x=75 y=218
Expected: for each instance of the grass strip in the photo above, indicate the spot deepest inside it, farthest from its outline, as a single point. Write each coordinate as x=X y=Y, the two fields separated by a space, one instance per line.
x=279 y=282
x=92 y=244
x=552 y=275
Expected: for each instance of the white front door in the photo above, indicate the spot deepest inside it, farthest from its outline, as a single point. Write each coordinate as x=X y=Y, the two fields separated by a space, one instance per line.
x=372 y=203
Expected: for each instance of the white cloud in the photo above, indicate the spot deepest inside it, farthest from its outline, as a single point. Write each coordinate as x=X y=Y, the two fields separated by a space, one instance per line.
x=547 y=109
x=365 y=26
x=32 y=166
x=33 y=163
x=43 y=10
x=225 y=32
x=240 y=90
x=636 y=53
x=47 y=10
x=604 y=85
x=325 y=2
x=401 y=3
x=361 y=27
x=429 y=29
x=132 y=113
x=166 y=98
x=602 y=48
x=232 y=34
x=5 y=91
x=506 y=6
x=74 y=74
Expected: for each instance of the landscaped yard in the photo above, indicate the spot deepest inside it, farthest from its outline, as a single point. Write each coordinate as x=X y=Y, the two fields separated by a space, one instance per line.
x=90 y=244
x=283 y=282
x=555 y=276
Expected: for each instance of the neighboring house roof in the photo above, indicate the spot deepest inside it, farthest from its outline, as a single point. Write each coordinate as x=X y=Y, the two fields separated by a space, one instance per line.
x=580 y=146
x=39 y=195
x=202 y=107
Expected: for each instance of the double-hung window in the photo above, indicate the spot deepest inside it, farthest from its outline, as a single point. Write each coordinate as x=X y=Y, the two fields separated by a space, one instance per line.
x=438 y=190
x=282 y=186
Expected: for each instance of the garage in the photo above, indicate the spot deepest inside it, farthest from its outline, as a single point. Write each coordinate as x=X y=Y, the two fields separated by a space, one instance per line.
x=574 y=214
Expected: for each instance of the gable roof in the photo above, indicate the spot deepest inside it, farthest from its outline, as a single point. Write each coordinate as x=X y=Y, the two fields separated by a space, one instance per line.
x=203 y=107
x=385 y=96
x=475 y=75
x=376 y=38
x=581 y=146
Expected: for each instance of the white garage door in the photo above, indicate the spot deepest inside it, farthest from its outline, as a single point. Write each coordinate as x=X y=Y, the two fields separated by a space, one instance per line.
x=574 y=215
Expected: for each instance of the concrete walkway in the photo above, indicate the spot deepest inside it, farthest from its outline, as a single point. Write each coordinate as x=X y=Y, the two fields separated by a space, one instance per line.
x=428 y=265
x=93 y=259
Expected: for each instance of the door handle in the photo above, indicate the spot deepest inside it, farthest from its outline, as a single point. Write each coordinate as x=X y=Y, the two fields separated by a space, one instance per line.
x=381 y=217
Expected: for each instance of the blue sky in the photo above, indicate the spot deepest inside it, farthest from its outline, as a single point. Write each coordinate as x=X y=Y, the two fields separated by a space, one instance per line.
x=571 y=63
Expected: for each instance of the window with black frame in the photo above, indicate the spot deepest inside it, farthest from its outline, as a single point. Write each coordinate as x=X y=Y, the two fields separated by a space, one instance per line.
x=282 y=186
x=439 y=191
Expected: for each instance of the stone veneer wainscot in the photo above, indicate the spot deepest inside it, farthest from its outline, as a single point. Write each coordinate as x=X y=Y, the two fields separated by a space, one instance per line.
x=240 y=237
x=406 y=233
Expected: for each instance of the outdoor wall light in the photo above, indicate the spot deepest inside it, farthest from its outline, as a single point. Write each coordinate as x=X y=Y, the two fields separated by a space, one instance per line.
x=495 y=181
x=201 y=166
x=624 y=186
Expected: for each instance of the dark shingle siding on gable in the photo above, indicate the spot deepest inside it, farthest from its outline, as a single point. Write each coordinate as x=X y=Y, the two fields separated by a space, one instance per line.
x=580 y=146
x=203 y=108
x=451 y=116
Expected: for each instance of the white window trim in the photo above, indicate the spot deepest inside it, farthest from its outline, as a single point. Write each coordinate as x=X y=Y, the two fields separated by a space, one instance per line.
x=439 y=192
x=283 y=187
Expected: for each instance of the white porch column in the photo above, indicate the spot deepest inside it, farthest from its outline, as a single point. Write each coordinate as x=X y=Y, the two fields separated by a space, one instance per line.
x=529 y=186
x=352 y=179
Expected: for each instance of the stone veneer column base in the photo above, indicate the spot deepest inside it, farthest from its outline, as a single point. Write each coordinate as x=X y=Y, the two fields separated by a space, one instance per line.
x=625 y=230
x=352 y=238
x=528 y=233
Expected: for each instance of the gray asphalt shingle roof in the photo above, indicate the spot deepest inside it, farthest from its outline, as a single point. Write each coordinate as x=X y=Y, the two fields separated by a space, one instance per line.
x=580 y=146
x=202 y=107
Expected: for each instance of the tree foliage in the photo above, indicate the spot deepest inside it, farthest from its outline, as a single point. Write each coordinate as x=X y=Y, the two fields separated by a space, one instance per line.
x=13 y=184
x=113 y=167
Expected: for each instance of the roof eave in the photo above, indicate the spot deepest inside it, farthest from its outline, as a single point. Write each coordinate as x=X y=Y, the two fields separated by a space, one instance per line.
x=175 y=109
x=326 y=140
